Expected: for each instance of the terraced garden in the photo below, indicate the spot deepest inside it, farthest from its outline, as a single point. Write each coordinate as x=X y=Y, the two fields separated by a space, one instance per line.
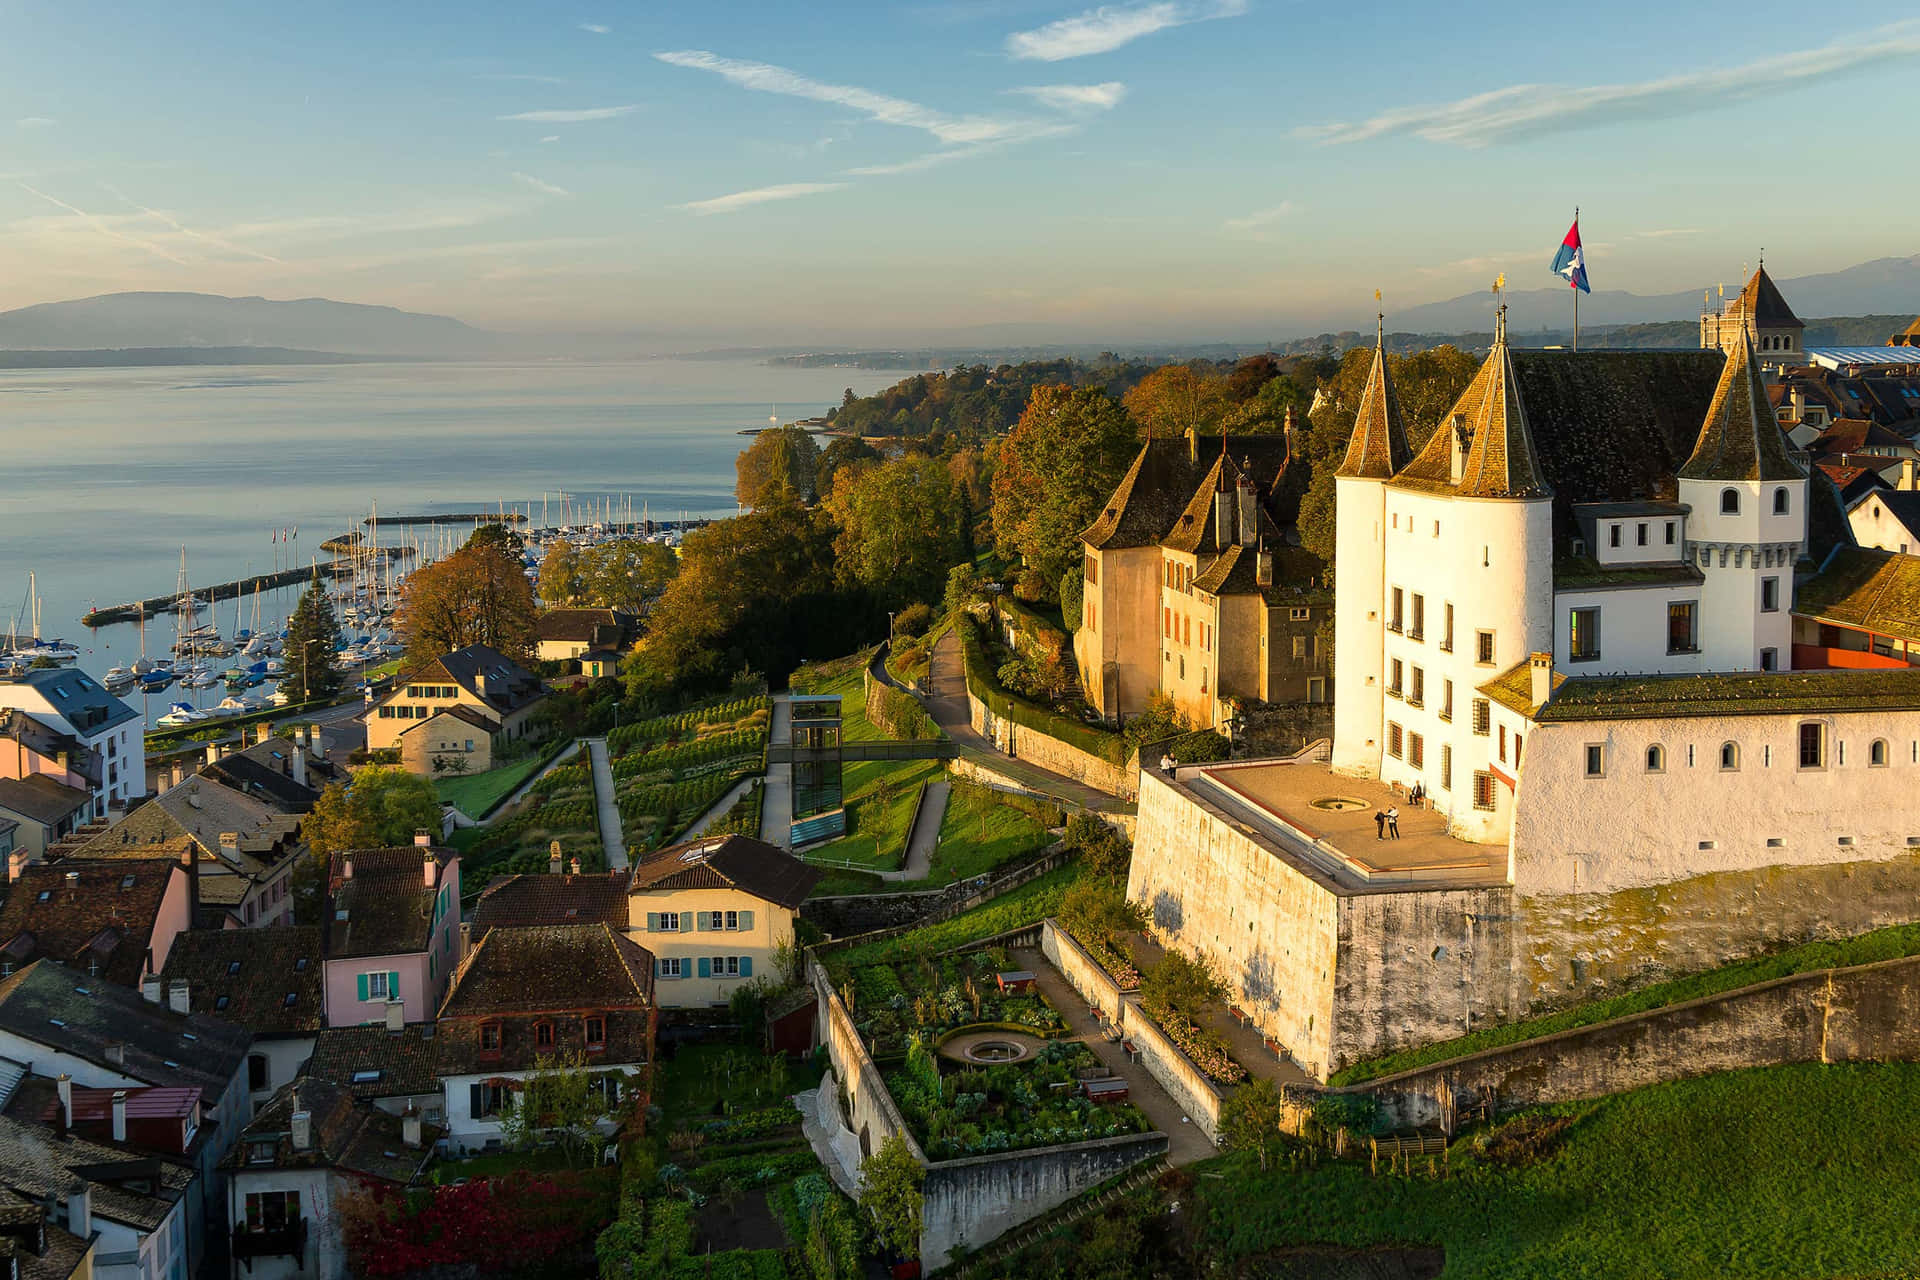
x=669 y=771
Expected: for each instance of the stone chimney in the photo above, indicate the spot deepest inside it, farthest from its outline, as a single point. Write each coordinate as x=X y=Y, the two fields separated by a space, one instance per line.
x=115 y=1052
x=316 y=744
x=410 y=1128
x=64 y=1087
x=1263 y=567
x=302 y=1134
x=80 y=1209
x=178 y=773
x=1249 y=514
x=266 y=731
x=230 y=845
x=1542 y=664
x=119 y=1115
x=150 y=988
x=396 y=1015
x=346 y=866
x=429 y=868
x=1908 y=482
x=16 y=865
x=178 y=992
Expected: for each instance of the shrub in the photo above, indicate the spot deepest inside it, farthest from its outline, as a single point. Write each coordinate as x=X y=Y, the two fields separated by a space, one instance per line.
x=913 y=621
x=980 y=682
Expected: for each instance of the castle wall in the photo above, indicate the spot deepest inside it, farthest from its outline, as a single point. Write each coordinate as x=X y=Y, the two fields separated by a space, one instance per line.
x=1119 y=654
x=1633 y=630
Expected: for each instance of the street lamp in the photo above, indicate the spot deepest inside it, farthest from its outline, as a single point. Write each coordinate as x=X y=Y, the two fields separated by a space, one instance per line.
x=616 y=715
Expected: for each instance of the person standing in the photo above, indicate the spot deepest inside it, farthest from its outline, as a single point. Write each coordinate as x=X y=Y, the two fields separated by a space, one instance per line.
x=1393 y=822
x=1379 y=825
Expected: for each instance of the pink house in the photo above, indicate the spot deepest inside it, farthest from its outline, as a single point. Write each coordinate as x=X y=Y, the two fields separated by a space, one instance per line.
x=114 y=919
x=393 y=933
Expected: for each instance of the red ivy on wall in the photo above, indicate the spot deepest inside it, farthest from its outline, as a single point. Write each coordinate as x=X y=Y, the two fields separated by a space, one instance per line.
x=497 y=1225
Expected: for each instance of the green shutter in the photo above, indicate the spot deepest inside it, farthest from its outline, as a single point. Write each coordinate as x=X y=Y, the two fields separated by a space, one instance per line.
x=746 y=921
x=706 y=967
x=686 y=922
x=653 y=922
x=393 y=984
x=746 y=966
x=702 y=921
x=361 y=978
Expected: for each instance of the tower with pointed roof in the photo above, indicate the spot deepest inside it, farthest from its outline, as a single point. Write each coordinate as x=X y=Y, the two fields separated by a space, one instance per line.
x=1377 y=450
x=1760 y=312
x=1747 y=522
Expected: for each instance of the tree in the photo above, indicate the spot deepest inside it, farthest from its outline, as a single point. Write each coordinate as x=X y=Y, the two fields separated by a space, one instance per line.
x=379 y=805
x=477 y=595
x=781 y=465
x=558 y=1102
x=562 y=577
x=1181 y=987
x=1250 y=1120
x=1099 y=913
x=963 y=588
x=1053 y=473
x=1177 y=398
x=901 y=528
x=626 y=574
x=842 y=451
x=313 y=636
x=890 y=1181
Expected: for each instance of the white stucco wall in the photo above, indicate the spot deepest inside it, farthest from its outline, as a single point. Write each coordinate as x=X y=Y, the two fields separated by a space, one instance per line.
x=326 y=1255
x=1630 y=552
x=1358 y=624
x=285 y=1056
x=1874 y=526
x=1736 y=552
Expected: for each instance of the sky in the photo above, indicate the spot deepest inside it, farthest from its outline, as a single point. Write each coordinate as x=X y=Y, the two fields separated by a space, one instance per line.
x=949 y=170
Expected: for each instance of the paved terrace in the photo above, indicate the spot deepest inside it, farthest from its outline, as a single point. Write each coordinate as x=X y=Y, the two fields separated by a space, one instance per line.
x=1324 y=824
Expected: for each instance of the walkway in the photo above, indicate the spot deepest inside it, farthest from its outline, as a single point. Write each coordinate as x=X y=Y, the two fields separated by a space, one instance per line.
x=720 y=808
x=607 y=805
x=947 y=704
x=1248 y=1046
x=925 y=836
x=776 y=806
x=1185 y=1142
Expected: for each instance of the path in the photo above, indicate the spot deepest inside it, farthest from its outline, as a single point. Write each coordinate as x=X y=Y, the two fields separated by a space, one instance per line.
x=925 y=835
x=776 y=806
x=460 y=819
x=1185 y=1142
x=946 y=702
x=607 y=805
x=720 y=808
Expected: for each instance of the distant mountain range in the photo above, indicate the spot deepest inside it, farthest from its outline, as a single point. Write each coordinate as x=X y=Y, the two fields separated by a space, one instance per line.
x=130 y=320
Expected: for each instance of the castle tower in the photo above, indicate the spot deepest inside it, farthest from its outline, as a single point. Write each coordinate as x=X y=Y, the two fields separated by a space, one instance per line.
x=1376 y=451
x=1748 y=522
x=1760 y=312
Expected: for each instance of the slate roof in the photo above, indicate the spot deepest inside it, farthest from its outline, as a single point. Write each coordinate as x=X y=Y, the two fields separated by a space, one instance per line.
x=1502 y=460
x=40 y=799
x=200 y=810
x=1731 y=694
x=1151 y=495
x=388 y=906
x=524 y=901
x=1868 y=590
x=252 y=777
x=517 y=979
x=346 y=1134
x=583 y=626
x=461 y=712
x=1378 y=447
x=1741 y=439
x=1765 y=304
x=36 y=1162
x=488 y=675
x=403 y=1059
x=42 y=738
x=266 y=980
x=55 y=1006
x=1827 y=523
x=728 y=862
x=60 y=1250
x=103 y=919
x=75 y=696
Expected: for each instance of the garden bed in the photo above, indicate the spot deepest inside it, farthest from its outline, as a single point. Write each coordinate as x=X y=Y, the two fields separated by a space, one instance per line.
x=670 y=771
x=893 y=1002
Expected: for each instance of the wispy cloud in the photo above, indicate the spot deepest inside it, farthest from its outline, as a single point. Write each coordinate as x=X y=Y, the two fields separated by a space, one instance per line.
x=1534 y=110
x=759 y=195
x=1107 y=28
x=34 y=122
x=1077 y=97
x=217 y=241
x=596 y=28
x=104 y=228
x=552 y=137
x=573 y=115
x=535 y=184
x=934 y=159
x=763 y=77
x=521 y=75
x=1668 y=232
x=1260 y=217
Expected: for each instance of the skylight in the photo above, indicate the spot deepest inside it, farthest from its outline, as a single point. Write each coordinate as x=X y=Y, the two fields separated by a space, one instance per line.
x=366 y=1077
x=233 y=967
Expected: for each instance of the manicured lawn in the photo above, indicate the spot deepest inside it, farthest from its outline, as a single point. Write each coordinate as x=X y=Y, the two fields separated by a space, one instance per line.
x=1881 y=944
x=1784 y=1171
x=476 y=794
x=854 y=725
x=880 y=796
x=977 y=835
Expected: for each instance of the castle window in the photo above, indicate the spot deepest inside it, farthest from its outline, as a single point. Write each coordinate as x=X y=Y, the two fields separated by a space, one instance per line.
x=1613 y=535
x=543 y=1035
x=1481 y=717
x=1419 y=617
x=1682 y=636
x=1203 y=679
x=1877 y=754
x=1416 y=751
x=1503 y=744
x=1446 y=767
x=1417 y=694
x=1780 y=501
x=1583 y=635
x=1813 y=745
x=1769 y=595
x=1396 y=616
x=1769 y=659
x=1090 y=569
x=1673 y=532
x=1446 y=700
x=1729 y=502
x=1483 y=648
x=1296 y=613
x=1729 y=757
x=1483 y=790
x=1394 y=678
x=1393 y=739
x=1446 y=634
x=1656 y=759
x=1596 y=760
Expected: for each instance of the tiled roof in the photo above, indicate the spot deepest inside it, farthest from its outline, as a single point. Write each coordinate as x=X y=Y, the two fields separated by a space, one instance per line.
x=578 y=625
x=40 y=799
x=387 y=904
x=1195 y=530
x=461 y=712
x=60 y=1251
x=266 y=980
x=1877 y=591
x=91 y=915
x=1378 y=447
x=1151 y=495
x=519 y=979
x=388 y=1064
x=737 y=862
x=1741 y=694
x=201 y=810
x=488 y=675
x=75 y=696
x=1502 y=462
x=345 y=1134
x=52 y=1005
x=1850 y=435
x=1763 y=302
x=37 y=1163
x=1513 y=688
x=1741 y=440
x=257 y=780
x=526 y=900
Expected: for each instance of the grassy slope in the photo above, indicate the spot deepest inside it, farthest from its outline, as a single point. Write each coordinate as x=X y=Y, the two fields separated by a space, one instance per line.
x=1785 y=1171
x=476 y=793
x=1881 y=944
x=1029 y=904
x=976 y=836
x=879 y=822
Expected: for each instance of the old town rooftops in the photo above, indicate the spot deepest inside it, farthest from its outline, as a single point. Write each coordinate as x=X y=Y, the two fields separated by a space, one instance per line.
x=380 y=903
x=729 y=862
x=267 y=980
x=96 y=916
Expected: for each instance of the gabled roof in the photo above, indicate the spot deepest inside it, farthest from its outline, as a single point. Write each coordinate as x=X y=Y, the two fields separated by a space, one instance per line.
x=1903 y=505
x=524 y=901
x=1513 y=688
x=1502 y=460
x=1867 y=590
x=728 y=862
x=266 y=980
x=1378 y=447
x=71 y=694
x=38 y=798
x=581 y=625
x=1851 y=435
x=44 y=739
x=38 y=1163
x=386 y=907
x=488 y=675
x=1741 y=439
x=461 y=712
x=573 y=966
x=1763 y=302
x=92 y=915
x=345 y=1133
x=197 y=813
x=1150 y=495
x=252 y=777
x=373 y=1062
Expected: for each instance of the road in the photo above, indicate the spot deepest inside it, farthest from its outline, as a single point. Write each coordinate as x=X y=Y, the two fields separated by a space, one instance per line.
x=607 y=805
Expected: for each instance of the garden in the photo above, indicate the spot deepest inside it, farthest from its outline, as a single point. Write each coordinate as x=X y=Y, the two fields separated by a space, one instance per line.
x=670 y=770
x=559 y=808
x=893 y=1003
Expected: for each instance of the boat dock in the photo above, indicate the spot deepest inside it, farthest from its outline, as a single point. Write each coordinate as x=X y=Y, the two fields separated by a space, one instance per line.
x=453 y=517
x=135 y=610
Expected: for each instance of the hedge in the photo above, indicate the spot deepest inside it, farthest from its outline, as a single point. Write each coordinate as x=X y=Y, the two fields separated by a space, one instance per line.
x=1110 y=747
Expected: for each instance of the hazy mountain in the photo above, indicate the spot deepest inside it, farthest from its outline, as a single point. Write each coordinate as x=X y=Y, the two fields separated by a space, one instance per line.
x=118 y=320
x=1885 y=285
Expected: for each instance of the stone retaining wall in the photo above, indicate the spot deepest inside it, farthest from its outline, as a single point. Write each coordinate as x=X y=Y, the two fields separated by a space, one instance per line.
x=1052 y=754
x=972 y=1201
x=871 y=1112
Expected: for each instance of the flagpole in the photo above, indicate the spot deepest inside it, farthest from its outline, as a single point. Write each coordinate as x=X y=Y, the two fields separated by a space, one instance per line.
x=1576 y=287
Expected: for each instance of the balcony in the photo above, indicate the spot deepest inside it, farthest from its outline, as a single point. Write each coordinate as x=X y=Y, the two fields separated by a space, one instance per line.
x=289 y=1240
x=1815 y=657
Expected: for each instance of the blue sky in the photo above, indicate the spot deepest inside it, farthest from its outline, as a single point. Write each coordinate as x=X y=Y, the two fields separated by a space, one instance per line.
x=953 y=170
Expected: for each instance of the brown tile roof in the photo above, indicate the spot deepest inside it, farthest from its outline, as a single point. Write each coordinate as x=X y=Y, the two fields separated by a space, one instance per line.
x=1741 y=439
x=1850 y=435
x=1731 y=694
x=1150 y=495
x=36 y=1163
x=88 y=914
x=201 y=810
x=44 y=1249
x=1513 y=688
x=584 y=626
x=1765 y=304
x=403 y=1060
x=735 y=862
x=460 y=711
x=385 y=908
x=266 y=980
x=1378 y=447
x=1877 y=591
x=346 y=1134
x=519 y=979
x=1502 y=462
x=40 y=799
x=523 y=901
x=486 y=673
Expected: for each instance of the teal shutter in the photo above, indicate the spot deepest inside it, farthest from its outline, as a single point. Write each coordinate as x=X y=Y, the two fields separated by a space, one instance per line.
x=746 y=921
x=686 y=922
x=746 y=966
x=706 y=967
x=393 y=984
x=653 y=922
x=361 y=978
x=659 y=966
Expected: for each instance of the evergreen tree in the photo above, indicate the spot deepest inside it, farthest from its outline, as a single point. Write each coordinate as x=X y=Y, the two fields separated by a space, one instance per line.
x=313 y=635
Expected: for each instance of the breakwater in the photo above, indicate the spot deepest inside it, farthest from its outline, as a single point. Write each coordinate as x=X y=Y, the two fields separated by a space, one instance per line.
x=449 y=517
x=135 y=610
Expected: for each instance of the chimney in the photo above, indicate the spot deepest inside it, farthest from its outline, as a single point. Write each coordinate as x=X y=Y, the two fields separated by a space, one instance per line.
x=177 y=996
x=1193 y=444
x=119 y=1115
x=316 y=745
x=396 y=1015
x=1249 y=519
x=190 y=863
x=302 y=1131
x=553 y=858
x=16 y=865
x=574 y=866
x=230 y=845
x=80 y=1209
x=213 y=753
x=346 y=866
x=410 y=1128
x=429 y=867
x=1291 y=431
x=266 y=731
x=1263 y=567
x=297 y=764
x=1908 y=482
x=178 y=772
x=1542 y=664
x=116 y=1052
x=1223 y=515
x=422 y=837
x=73 y=881
x=64 y=1086
x=150 y=988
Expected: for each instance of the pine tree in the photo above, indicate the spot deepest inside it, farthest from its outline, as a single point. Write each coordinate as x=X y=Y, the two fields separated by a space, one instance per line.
x=313 y=635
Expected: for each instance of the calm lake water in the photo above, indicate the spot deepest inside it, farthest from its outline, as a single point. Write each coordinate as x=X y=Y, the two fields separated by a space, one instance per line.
x=108 y=473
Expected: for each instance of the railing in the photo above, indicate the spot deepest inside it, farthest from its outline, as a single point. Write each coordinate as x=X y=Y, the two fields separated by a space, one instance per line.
x=268 y=1242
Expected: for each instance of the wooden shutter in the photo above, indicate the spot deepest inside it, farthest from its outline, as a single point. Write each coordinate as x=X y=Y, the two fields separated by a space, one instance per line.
x=686 y=922
x=393 y=984
x=706 y=967
x=653 y=922
x=746 y=966
x=476 y=1100
x=703 y=921
x=361 y=980
x=746 y=921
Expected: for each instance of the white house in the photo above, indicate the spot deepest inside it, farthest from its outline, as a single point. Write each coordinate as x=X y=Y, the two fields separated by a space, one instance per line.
x=71 y=703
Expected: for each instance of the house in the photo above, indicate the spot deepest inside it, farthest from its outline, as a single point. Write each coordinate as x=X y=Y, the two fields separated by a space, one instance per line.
x=113 y=920
x=42 y=811
x=594 y=637
x=714 y=912
x=268 y=980
x=498 y=693
x=525 y=901
x=390 y=1066
x=69 y=1200
x=1862 y=611
x=107 y=731
x=312 y=1145
x=454 y=739
x=392 y=918
x=524 y=996
x=35 y=1242
x=1888 y=519
x=31 y=747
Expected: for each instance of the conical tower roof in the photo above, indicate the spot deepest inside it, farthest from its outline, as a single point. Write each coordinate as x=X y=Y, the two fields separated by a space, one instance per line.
x=1378 y=447
x=1763 y=303
x=1502 y=462
x=1741 y=439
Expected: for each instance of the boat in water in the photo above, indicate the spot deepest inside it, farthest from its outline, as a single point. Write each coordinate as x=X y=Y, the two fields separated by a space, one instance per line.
x=181 y=714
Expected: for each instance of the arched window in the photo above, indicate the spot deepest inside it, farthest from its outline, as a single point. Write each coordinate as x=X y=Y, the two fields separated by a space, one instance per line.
x=1877 y=753
x=1656 y=759
x=1729 y=502
x=1729 y=756
x=1780 y=501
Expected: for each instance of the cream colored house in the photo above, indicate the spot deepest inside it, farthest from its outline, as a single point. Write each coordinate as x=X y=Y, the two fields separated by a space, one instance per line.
x=485 y=681
x=713 y=913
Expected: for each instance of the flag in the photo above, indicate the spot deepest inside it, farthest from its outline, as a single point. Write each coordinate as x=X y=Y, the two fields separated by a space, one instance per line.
x=1571 y=261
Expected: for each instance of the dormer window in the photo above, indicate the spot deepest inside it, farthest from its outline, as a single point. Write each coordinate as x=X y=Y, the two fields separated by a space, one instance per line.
x=1729 y=502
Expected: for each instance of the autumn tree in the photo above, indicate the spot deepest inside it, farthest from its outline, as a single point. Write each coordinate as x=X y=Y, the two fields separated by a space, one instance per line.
x=901 y=527
x=562 y=580
x=780 y=466
x=1053 y=472
x=842 y=452
x=477 y=595
x=1177 y=398
x=379 y=805
x=626 y=573
x=313 y=636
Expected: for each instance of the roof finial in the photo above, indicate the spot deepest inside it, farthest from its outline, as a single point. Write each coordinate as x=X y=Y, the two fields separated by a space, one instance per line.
x=1500 y=309
x=1763 y=257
